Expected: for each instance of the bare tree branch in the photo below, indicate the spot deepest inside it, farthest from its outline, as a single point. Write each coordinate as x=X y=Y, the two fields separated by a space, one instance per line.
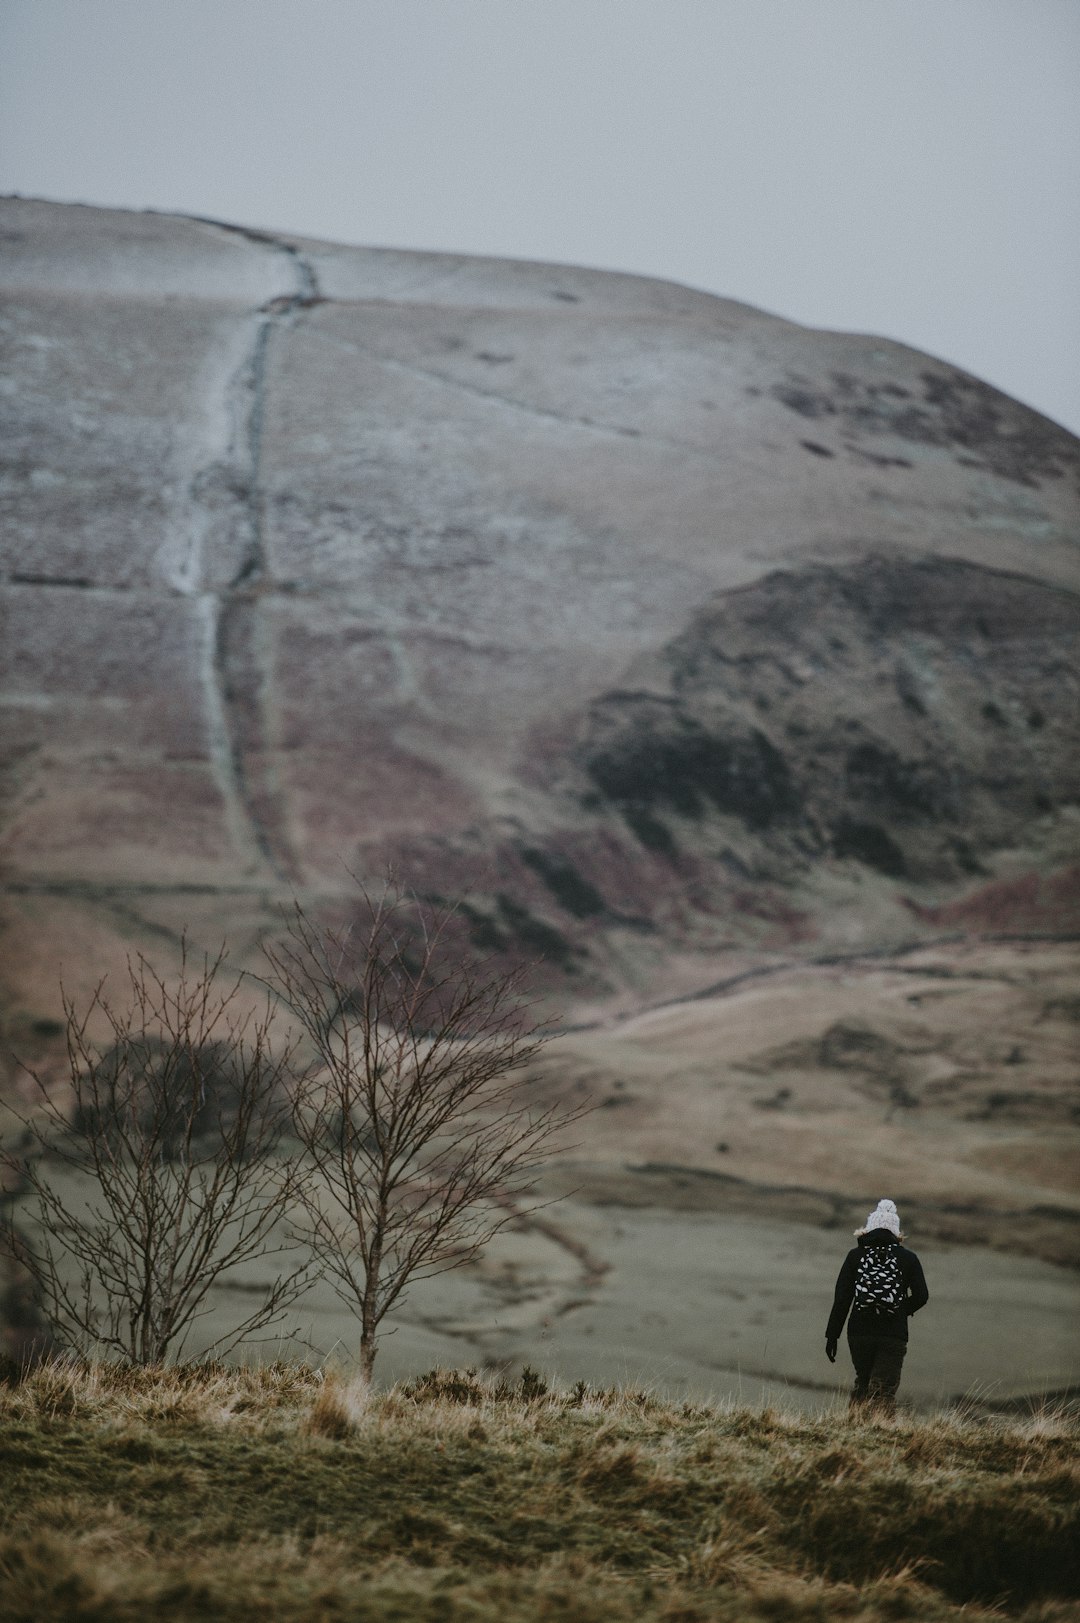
x=170 y=1169
x=419 y=1121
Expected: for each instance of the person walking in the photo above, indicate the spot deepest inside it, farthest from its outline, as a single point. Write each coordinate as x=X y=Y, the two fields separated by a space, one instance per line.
x=882 y=1283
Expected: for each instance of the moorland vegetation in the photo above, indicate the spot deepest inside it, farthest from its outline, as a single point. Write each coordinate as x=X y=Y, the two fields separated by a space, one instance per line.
x=284 y=1492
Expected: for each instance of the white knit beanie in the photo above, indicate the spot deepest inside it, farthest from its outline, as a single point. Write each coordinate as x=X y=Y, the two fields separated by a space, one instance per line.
x=884 y=1216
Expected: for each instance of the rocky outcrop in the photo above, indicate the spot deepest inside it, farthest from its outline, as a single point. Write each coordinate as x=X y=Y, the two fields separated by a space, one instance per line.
x=656 y=627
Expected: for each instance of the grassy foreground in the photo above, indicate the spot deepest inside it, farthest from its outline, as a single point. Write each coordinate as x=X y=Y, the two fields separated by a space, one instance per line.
x=280 y=1494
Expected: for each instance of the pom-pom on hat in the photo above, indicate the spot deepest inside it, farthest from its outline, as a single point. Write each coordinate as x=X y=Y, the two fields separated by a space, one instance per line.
x=884 y=1216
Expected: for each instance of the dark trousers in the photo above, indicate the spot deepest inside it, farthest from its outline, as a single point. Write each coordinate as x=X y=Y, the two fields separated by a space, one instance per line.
x=878 y=1362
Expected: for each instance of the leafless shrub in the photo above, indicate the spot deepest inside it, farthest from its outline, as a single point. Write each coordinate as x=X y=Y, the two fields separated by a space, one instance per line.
x=166 y=1169
x=421 y=1128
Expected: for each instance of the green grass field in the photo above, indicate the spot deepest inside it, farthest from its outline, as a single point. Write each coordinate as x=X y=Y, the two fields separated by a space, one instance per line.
x=282 y=1494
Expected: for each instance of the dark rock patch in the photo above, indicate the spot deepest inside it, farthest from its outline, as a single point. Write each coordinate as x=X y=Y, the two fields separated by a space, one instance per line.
x=898 y=788
x=650 y=831
x=870 y=844
x=651 y=758
x=570 y=889
x=954 y=411
x=534 y=935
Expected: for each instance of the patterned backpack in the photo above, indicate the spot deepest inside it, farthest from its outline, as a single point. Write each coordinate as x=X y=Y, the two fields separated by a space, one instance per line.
x=879 y=1285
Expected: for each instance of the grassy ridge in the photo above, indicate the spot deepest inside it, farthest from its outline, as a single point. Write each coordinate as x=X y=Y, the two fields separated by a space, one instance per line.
x=279 y=1494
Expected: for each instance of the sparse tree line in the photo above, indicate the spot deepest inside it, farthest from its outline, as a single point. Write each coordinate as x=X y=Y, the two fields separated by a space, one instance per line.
x=369 y=1120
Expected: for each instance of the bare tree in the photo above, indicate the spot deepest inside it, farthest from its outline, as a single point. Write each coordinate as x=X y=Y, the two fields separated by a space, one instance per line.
x=165 y=1167
x=422 y=1128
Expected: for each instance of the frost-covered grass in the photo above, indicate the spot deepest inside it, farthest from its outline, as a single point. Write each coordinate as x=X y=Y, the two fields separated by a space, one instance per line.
x=282 y=1494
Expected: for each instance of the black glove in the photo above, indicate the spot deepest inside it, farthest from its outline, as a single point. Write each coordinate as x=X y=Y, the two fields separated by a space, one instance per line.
x=830 y=1349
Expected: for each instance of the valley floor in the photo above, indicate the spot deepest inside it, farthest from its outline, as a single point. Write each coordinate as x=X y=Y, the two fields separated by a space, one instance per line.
x=738 y=1137
x=716 y=1307
x=689 y=1239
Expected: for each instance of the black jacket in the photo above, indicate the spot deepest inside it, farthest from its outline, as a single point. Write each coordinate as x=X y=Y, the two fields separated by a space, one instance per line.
x=868 y=1323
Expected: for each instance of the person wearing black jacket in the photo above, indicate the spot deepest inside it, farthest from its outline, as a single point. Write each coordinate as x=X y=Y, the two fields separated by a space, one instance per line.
x=882 y=1283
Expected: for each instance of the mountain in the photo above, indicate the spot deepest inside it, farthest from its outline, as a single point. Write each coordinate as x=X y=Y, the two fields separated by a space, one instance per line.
x=657 y=628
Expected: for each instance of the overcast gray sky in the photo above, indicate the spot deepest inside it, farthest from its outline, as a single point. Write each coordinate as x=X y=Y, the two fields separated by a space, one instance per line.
x=905 y=167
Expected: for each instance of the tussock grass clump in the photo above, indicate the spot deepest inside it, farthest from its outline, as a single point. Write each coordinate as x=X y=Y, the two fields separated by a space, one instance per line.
x=283 y=1493
x=194 y=1393
x=339 y=1407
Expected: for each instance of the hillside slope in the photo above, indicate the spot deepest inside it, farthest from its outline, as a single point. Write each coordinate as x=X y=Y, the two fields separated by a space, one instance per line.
x=658 y=627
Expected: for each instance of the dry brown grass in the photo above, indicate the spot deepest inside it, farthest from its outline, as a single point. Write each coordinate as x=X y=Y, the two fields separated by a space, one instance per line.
x=284 y=1493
